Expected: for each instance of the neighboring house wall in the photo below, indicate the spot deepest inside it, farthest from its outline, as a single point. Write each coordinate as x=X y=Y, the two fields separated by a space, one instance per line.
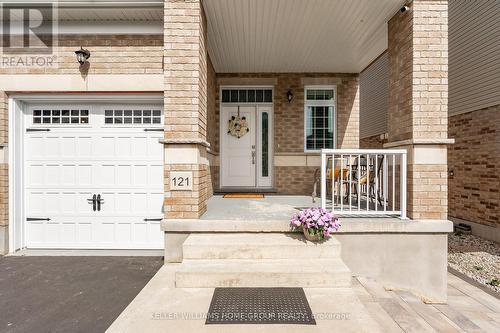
x=374 y=102
x=474 y=187
x=294 y=169
x=474 y=111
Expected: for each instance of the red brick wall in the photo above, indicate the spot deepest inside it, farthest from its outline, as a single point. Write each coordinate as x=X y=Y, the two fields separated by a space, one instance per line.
x=372 y=142
x=474 y=188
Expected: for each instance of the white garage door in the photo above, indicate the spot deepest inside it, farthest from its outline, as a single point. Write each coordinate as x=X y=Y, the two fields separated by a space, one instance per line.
x=93 y=176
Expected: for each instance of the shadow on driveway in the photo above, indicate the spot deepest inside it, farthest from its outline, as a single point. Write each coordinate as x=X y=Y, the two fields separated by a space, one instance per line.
x=69 y=294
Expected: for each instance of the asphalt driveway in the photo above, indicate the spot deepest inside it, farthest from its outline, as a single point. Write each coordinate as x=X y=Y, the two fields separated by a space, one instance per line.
x=69 y=294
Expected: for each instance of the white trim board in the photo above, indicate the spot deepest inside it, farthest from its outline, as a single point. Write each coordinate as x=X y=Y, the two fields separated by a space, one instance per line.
x=92 y=83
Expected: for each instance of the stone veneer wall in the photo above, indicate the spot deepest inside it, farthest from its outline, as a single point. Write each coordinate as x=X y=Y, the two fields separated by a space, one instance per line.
x=474 y=188
x=289 y=124
x=418 y=101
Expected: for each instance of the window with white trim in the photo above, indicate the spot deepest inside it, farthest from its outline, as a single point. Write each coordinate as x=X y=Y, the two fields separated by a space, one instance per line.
x=319 y=115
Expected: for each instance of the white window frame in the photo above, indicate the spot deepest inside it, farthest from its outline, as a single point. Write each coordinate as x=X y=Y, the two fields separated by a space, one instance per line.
x=332 y=103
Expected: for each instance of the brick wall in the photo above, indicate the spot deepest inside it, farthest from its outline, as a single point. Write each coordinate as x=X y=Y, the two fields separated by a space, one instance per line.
x=289 y=123
x=110 y=54
x=4 y=194
x=372 y=142
x=294 y=179
x=474 y=189
x=430 y=69
x=289 y=117
x=400 y=52
x=4 y=121
x=185 y=103
x=418 y=99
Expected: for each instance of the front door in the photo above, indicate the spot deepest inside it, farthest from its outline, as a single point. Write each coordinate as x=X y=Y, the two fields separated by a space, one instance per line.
x=246 y=156
x=238 y=148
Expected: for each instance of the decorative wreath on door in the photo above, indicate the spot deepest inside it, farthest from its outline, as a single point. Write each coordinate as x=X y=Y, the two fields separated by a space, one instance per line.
x=238 y=125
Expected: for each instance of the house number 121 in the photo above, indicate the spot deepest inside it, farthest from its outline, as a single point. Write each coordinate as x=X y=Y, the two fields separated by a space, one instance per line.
x=181 y=181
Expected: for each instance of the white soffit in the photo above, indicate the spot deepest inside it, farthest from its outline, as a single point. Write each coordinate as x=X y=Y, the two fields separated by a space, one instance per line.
x=107 y=17
x=297 y=35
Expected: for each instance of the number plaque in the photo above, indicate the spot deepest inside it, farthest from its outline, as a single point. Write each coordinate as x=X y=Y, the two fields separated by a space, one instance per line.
x=181 y=180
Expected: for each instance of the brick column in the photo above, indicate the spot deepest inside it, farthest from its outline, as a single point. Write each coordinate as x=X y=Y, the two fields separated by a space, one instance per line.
x=418 y=102
x=185 y=70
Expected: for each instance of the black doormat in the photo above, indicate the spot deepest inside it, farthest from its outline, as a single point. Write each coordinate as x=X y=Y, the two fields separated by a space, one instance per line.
x=260 y=306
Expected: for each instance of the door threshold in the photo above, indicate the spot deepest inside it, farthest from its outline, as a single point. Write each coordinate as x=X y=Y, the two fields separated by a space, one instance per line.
x=224 y=190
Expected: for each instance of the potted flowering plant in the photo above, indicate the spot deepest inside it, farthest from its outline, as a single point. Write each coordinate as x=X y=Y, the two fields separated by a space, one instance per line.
x=316 y=223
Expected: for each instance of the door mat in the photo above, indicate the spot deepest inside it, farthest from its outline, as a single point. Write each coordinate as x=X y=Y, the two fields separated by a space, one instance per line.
x=260 y=306
x=244 y=195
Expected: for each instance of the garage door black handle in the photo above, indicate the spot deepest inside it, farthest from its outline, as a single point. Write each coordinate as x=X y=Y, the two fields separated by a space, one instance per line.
x=153 y=130
x=146 y=220
x=37 y=219
x=37 y=129
x=98 y=200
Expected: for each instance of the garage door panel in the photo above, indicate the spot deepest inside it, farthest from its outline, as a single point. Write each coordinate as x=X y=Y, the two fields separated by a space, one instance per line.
x=66 y=166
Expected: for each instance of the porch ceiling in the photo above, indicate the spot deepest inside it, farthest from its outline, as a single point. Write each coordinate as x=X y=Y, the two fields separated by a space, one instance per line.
x=297 y=35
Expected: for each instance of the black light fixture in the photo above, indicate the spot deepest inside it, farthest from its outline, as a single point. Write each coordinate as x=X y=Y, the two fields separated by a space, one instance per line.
x=82 y=55
x=289 y=95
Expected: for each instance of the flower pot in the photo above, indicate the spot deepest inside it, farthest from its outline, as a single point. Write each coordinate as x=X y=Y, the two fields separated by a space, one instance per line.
x=309 y=237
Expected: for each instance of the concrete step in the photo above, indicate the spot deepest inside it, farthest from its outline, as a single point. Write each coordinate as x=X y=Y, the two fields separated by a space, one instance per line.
x=311 y=272
x=257 y=246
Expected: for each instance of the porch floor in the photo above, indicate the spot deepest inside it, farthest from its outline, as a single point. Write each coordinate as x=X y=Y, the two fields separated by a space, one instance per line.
x=269 y=208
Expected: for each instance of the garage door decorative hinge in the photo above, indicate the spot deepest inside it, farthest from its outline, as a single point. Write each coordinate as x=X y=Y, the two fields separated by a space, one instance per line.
x=37 y=129
x=37 y=219
x=159 y=219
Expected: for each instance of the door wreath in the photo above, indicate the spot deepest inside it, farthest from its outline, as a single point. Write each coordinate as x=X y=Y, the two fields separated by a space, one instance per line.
x=238 y=125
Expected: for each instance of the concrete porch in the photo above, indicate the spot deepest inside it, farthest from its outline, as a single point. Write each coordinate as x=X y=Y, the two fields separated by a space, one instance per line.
x=274 y=208
x=404 y=254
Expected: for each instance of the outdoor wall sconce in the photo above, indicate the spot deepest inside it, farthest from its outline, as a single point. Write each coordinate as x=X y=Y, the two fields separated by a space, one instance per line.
x=289 y=95
x=82 y=55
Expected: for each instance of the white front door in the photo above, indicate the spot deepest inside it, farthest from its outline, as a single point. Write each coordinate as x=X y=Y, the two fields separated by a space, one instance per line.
x=238 y=154
x=77 y=154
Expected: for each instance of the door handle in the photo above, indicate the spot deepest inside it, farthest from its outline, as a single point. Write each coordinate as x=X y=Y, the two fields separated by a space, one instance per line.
x=93 y=200
x=99 y=202
x=253 y=156
x=158 y=219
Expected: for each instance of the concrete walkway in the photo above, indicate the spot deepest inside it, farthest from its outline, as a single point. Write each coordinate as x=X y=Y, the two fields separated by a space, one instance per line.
x=162 y=308
x=365 y=307
x=69 y=293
